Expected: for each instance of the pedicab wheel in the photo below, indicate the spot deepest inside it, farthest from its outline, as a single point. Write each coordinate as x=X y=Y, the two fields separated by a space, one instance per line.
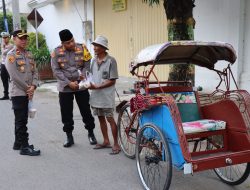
x=127 y=135
x=153 y=158
x=233 y=175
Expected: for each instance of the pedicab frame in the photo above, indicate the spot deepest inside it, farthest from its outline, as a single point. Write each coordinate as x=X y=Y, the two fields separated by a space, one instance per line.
x=204 y=54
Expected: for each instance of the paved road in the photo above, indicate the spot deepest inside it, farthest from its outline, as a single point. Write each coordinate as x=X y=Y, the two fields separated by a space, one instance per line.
x=79 y=167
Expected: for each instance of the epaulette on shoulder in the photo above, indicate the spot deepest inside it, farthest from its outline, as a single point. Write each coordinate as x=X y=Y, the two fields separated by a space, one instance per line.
x=11 y=52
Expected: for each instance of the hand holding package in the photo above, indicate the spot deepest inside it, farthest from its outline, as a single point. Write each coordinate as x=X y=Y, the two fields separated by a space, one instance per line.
x=86 y=83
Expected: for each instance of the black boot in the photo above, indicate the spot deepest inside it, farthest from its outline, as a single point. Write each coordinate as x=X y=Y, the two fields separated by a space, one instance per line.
x=5 y=98
x=70 y=140
x=29 y=150
x=91 y=137
x=16 y=146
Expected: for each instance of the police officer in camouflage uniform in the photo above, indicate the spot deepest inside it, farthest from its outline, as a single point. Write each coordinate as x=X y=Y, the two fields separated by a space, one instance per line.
x=23 y=82
x=69 y=65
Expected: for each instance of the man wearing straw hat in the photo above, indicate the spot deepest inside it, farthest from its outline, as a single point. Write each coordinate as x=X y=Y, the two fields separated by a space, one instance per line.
x=102 y=99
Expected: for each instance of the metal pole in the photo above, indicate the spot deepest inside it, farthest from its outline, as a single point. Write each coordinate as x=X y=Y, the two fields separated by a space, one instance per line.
x=5 y=17
x=16 y=15
x=36 y=29
x=85 y=10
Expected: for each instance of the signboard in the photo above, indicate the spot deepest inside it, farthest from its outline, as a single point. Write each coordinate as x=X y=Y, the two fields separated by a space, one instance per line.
x=35 y=18
x=119 y=5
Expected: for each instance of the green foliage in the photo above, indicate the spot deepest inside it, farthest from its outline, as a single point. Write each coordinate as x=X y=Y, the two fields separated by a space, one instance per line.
x=42 y=54
x=41 y=41
x=10 y=22
x=24 y=22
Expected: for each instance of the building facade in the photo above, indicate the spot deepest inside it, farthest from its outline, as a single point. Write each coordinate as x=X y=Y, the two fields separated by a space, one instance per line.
x=75 y=15
x=138 y=25
x=227 y=21
x=141 y=25
x=130 y=30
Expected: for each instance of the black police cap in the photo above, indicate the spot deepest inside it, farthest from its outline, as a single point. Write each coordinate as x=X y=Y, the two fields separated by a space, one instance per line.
x=20 y=33
x=65 y=35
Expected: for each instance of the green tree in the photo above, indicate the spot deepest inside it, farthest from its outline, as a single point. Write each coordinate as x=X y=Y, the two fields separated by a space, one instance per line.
x=42 y=54
x=10 y=22
x=181 y=23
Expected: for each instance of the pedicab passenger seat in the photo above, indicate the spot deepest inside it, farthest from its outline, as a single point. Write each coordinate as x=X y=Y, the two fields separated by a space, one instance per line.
x=195 y=127
x=203 y=126
x=188 y=105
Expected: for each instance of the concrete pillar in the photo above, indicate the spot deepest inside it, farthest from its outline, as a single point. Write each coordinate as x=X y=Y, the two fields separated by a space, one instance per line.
x=16 y=15
x=245 y=56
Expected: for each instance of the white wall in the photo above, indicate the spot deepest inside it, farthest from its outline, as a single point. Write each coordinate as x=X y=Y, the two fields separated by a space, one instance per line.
x=23 y=6
x=63 y=15
x=245 y=75
x=218 y=20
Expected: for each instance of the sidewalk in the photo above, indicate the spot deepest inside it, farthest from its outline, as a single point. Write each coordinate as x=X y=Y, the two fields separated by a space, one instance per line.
x=123 y=83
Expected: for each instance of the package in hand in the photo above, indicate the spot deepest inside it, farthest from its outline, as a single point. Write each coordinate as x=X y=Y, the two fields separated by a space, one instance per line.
x=86 y=82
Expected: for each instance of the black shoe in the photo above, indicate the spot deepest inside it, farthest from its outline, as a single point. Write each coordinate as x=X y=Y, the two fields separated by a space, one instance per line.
x=16 y=146
x=30 y=151
x=69 y=142
x=92 y=139
x=5 y=98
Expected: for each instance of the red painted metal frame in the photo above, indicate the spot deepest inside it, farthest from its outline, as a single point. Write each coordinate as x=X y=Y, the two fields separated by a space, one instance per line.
x=218 y=161
x=209 y=134
x=237 y=116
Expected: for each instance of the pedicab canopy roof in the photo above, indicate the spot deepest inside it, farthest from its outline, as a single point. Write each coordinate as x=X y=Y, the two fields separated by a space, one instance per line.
x=204 y=54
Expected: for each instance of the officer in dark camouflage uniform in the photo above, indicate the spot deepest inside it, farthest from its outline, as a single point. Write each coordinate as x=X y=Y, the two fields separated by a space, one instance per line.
x=70 y=61
x=23 y=76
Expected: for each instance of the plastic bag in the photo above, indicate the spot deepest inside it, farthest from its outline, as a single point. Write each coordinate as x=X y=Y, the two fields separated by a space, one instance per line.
x=86 y=83
x=32 y=110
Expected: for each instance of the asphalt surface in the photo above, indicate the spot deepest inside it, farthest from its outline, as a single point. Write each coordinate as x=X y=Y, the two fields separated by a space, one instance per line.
x=79 y=167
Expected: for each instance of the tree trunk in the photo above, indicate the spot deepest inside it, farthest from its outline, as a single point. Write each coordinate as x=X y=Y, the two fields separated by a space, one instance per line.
x=180 y=27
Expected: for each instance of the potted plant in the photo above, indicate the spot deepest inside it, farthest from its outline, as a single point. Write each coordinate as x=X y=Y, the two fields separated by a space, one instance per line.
x=41 y=55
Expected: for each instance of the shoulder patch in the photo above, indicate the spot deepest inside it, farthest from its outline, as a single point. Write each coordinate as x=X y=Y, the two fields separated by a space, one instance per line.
x=86 y=55
x=11 y=59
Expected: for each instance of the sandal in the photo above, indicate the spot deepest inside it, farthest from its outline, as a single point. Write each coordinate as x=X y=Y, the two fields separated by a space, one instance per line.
x=102 y=146
x=115 y=151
